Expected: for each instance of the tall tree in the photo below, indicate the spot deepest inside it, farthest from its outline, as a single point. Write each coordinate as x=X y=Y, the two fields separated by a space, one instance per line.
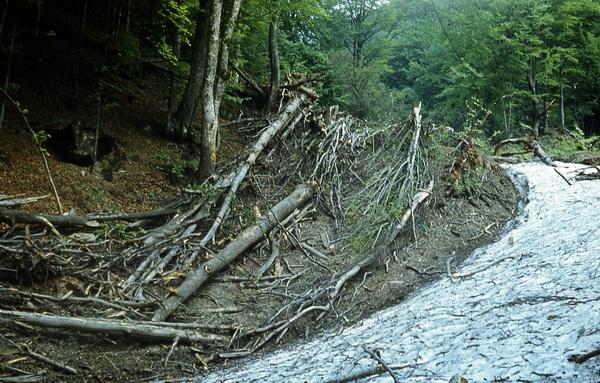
x=206 y=83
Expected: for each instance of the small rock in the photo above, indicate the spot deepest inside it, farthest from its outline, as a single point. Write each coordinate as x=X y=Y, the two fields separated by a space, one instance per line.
x=458 y=379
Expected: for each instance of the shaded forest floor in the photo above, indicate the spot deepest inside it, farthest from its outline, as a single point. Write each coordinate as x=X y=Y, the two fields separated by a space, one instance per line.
x=148 y=172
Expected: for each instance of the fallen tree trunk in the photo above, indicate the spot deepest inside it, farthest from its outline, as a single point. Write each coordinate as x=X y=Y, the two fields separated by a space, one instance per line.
x=244 y=76
x=88 y=220
x=365 y=262
x=529 y=144
x=18 y=216
x=95 y=325
x=7 y=201
x=243 y=241
x=416 y=201
x=539 y=152
x=284 y=118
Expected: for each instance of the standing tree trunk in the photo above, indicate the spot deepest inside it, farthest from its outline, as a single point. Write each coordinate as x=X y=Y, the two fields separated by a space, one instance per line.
x=38 y=18
x=3 y=19
x=174 y=38
x=206 y=83
x=206 y=137
x=230 y=14
x=274 y=59
x=11 y=50
x=562 y=103
x=184 y=116
x=535 y=110
x=128 y=16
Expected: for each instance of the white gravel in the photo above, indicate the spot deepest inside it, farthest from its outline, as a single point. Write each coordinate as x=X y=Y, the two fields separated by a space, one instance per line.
x=532 y=300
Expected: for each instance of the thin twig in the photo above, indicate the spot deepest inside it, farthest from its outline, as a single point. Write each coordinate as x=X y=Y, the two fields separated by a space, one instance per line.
x=39 y=146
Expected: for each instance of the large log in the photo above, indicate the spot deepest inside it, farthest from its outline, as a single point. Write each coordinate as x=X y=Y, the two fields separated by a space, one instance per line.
x=72 y=220
x=283 y=120
x=103 y=326
x=243 y=241
x=529 y=144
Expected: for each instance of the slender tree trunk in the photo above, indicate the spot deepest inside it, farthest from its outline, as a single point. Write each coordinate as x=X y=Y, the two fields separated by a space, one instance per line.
x=535 y=110
x=231 y=11
x=38 y=17
x=3 y=19
x=119 y=5
x=206 y=83
x=128 y=15
x=82 y=26
x=184 y=116
x=230 y=15
x=274 y=59
x=562 y=106
x=175 y=41
x=82 y=23
x=11 y=51
x=206 y=136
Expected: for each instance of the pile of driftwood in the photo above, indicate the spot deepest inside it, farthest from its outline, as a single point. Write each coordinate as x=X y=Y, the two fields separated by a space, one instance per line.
x=343 y=164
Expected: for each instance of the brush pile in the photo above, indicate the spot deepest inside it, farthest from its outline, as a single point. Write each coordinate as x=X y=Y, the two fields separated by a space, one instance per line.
x=284 y=221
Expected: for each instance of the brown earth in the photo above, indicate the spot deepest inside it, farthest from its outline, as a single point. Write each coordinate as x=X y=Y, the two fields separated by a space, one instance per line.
x=449 y=227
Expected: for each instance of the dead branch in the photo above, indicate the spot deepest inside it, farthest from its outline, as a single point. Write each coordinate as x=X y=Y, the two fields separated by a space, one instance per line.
x=539 y=152
x=244 y=240
x=72 y=220
x=38 y=144
x=246 y=77
x=103 y=326
x=509 y=141
x=17 y=216
x=530 y=144
x=417 y=200
x=52 y=362
x=563 y=177
x=510 y=160
x=283 y=119
x=585 y=357
x=379 y=360
x=367 y=261
x=7 y=201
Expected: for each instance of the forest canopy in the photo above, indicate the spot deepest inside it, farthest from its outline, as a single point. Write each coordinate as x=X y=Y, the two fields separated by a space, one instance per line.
x=519 y=66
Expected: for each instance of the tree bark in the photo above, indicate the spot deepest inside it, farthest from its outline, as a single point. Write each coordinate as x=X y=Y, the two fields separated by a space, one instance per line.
x=206 y=136
x=230 y=15
x=184 y=116
x=243 y=241
x=274 y=60
x=103 y=326
x=3 y=19
x=562 y=106
x=70 y=220
x=11 y=50
x=206 y=83
x=535 y=108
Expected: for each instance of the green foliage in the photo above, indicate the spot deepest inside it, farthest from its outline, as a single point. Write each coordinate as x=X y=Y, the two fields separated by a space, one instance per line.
x=175 y=166
x=559 y=146
x=120 y=230
x=127 y=54
x=205 y=190
x=41 y=136
x=95 y=198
